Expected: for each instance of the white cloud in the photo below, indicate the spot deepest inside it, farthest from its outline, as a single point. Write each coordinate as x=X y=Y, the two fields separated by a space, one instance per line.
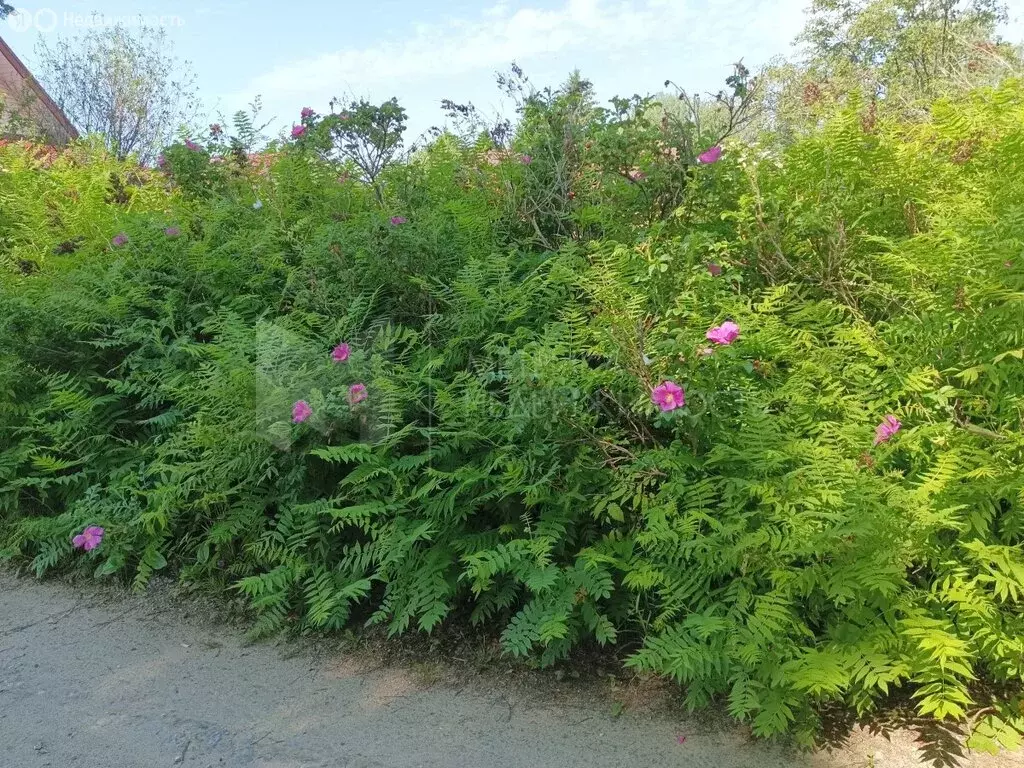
x=623 y=45
x=501 y=35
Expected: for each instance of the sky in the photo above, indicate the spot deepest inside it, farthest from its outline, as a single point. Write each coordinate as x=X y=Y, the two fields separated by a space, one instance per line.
x=304 y=53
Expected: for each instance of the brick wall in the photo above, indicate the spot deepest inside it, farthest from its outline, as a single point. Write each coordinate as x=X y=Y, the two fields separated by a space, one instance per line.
x=36 y=113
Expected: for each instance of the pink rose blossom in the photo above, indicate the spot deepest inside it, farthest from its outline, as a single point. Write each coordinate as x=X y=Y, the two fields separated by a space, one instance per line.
x=714 y=269
x=88 y=539
x=192 y=145
x=726 y=333
x=340 y=353
x=172 y=231
x=668 y=396
x=709 y=156
x=525 y=159
x=298 y=131
x=356 y=394
x=119 y=240
x=301 y=411
x=396 y=220
x=884 y=432
x=307 y=112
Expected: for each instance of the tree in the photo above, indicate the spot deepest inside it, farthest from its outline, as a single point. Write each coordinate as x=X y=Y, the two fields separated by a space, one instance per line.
x=910 y=46
x=125 y=85
x=727 y=113
x=368 y=135
x=897 y=56
x=5 y=9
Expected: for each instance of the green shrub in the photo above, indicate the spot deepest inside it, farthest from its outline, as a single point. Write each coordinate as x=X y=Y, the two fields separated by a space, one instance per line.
x=509 y=466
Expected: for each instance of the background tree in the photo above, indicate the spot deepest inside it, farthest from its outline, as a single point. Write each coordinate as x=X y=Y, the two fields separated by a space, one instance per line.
x=368 y=135
x=912 y=44
x=5 y=9
x=709 y=121
x=897 y=56
x=126 y=85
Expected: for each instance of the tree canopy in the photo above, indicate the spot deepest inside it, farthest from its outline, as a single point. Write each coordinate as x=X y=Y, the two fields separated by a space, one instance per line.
x=125 y=85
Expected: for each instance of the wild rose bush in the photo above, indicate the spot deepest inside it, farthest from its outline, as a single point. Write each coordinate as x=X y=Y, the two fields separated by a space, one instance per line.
x=754 y=416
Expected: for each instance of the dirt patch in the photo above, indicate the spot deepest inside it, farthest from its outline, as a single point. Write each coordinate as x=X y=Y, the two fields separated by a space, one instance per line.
x=379 y=686
x=345 y=667
x=386 y=687
x=644 y=694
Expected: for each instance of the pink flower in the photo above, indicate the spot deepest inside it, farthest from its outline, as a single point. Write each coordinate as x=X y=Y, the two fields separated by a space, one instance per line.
x=301 y=411
x=726 y=333
x=216 y=130
x=709 y=156
x=298 y=131
x=680 y=739
x=192 y=145
x=119 y=240
x=356 y=394
x=307 y=112
x=88 y=539
x=172 y=231
x=340 y=353
x=396 y=220
x=714 y=269
x=890 y=426
x=525 y=159
x=668 y=396
x=637 y=175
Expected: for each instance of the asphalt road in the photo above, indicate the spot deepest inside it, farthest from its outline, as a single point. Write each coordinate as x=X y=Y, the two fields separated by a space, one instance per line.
x=94 y=678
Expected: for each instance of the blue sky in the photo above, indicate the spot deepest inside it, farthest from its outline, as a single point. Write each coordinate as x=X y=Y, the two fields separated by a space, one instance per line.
x=303 y=53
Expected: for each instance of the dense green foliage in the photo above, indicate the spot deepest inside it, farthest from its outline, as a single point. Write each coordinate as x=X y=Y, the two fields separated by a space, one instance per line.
x=508 y=466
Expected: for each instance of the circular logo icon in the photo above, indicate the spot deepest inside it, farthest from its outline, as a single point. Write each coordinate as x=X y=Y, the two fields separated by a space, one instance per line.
x=20 y=20
x=46 y=20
